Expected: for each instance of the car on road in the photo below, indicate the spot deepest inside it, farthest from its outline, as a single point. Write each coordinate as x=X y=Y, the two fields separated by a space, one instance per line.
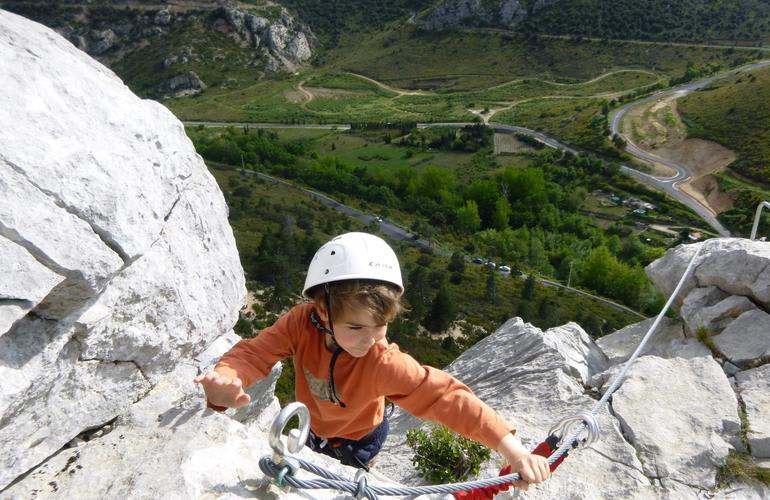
x=378 y=219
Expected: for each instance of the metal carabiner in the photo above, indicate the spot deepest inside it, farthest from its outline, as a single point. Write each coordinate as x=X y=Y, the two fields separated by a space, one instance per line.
x=297 y=437
x=584 y=417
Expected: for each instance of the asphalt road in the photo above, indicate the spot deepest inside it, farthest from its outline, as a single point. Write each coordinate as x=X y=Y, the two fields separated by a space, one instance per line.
x=397 y=232
x=670 y=185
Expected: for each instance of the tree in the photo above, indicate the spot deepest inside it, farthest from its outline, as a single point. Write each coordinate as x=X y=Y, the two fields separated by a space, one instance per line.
x=456 y=263
x=442 y=312
x=468 y=220
x=501 y=214
x=528 y=292
x=491 y=291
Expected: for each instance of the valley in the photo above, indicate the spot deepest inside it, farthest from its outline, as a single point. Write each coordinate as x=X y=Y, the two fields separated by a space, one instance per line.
x=489 y=142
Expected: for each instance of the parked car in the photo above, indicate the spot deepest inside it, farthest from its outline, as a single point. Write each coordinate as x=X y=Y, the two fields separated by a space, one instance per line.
x=491 y=264
x=504 y=269
x=477 y=260
x=516 y=272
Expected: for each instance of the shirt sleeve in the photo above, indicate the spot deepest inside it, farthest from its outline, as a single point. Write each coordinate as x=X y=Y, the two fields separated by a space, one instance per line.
x=433 y=394
x=252 y=359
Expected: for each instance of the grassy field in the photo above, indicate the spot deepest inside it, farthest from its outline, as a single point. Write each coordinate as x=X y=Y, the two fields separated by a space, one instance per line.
x=574 y=121
x=736 y=113
x=407 y=57
x=488 y=70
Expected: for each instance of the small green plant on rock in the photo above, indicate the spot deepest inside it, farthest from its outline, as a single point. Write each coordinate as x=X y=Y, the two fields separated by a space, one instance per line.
x=741 y=467
x=704 y=335
x=441 y=456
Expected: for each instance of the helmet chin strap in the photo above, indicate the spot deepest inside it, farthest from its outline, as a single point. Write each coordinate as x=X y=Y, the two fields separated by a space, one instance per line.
x=337 y=349
x=328 y=298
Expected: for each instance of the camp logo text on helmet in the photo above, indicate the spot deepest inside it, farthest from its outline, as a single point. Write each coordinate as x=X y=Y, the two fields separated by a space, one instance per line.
x=354 y=256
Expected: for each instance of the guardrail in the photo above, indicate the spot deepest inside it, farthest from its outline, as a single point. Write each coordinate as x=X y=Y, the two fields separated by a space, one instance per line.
x=756 y=218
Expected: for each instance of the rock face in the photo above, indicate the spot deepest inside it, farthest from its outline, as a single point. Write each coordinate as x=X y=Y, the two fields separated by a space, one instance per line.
x=497 y=13
x=674 y=420
x=730 y=264
x=118 y=263
x=121 y=282
x=185 y=84
x=264 y=38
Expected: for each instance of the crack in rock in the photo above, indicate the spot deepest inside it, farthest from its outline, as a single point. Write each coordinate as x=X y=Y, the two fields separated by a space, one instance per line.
x=103 y=235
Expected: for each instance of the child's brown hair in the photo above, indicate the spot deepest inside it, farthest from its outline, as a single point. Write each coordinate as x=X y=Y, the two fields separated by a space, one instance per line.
x=380 y=299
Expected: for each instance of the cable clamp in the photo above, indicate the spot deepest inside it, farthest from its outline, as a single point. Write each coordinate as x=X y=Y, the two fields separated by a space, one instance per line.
x=587 y=419
x=297 y=437
x=362 y=480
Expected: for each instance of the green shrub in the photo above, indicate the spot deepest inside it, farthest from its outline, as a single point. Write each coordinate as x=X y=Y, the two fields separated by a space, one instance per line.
x=441 y=456
x=740 y=467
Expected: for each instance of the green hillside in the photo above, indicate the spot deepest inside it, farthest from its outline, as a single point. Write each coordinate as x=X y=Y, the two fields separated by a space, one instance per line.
x=413 y=58
x=691 y=20
x=735 y=112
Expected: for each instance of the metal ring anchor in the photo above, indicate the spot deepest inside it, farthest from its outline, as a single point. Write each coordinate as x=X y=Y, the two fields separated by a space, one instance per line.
x=584 y=417
x=297 y=437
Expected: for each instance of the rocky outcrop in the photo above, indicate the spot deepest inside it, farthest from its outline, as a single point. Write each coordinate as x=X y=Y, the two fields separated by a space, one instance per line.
x=124 y=283
x=265 y=38
x=184 y=84
x=729 y=264
x=116 y=240
x=672 y=423
x=480 y=13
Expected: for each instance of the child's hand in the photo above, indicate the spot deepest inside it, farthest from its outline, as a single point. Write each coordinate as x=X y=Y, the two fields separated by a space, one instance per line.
x=533 y=469
x=223 y=391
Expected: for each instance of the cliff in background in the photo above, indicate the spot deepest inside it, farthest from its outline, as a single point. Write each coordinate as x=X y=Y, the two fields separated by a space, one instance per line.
x=182 y=48
x=121 y=282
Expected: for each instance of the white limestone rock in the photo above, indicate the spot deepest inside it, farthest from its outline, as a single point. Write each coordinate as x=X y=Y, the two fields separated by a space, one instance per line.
x=534 y=379
x=746 y=340
x=169 y=446
x=666 y=272
x=681 y=415
x=734 y=265
x=700 y=298
x=668 y=341
x=105 y=190
x=718 y=316
x=737 y=266
x=75 y=132
x=24 y=284
x=56 y=237
x=754 y=388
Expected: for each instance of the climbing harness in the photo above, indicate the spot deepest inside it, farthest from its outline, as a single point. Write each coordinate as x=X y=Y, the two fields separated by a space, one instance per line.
x=556 y=447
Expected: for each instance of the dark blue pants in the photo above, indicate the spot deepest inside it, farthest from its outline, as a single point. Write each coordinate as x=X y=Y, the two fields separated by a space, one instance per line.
x=354 y=453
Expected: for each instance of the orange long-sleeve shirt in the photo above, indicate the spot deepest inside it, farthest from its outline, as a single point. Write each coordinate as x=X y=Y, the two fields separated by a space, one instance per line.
x=362 y=383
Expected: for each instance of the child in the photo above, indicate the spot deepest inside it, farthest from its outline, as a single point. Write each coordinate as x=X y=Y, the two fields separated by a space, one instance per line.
x=345 y=368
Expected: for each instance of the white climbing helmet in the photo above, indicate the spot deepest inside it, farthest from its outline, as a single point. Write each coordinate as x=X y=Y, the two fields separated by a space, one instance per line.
x=353 y=256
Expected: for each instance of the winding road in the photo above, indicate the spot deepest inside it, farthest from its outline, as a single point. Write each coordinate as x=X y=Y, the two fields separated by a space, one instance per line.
x=667 y=184
x=670 y=185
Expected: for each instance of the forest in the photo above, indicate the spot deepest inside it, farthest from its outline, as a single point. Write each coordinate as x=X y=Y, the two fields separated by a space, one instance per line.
x=528 y=217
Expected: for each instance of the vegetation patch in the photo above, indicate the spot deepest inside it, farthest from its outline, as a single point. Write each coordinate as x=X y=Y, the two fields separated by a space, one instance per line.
x=740 y=467
x=405 y=54
x=735 y=112
x=441 y=456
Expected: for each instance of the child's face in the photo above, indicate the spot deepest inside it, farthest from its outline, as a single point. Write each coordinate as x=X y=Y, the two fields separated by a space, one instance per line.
x=357 y=332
